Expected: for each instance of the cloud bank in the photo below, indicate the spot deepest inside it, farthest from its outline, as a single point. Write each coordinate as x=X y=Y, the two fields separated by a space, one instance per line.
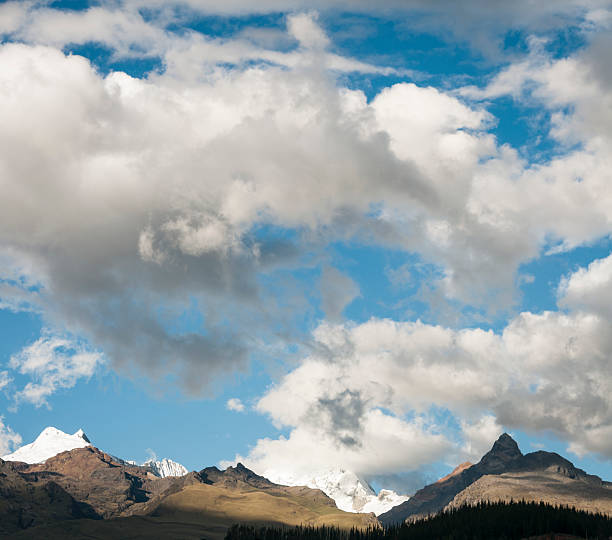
x=131 y=205
x=370 y=399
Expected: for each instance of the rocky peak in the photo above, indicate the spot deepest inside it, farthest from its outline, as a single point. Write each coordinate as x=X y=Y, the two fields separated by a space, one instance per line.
x=233 y=476
x=504 y=451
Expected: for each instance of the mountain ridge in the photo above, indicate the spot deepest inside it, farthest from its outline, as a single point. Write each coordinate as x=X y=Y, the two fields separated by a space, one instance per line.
x=541 y=472
x=83 y=487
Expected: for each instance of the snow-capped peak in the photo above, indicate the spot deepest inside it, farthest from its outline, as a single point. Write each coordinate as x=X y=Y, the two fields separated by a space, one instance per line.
x=350 y=492
x=166 y=467
x=49 y=443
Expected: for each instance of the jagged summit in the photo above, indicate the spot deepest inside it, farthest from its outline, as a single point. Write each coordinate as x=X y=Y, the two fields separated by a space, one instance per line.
x=165 y=467
x=504 y=450
x=49 y=443
x=506 y=446
x=233 y=476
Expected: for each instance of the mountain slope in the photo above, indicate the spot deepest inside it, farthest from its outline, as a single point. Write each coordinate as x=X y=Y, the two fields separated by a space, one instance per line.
x=504 y=473
x=49 y=443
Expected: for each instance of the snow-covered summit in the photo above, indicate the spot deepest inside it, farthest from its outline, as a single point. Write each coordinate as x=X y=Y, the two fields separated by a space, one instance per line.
x=49 y=443
x=166 y=467
x=350 y=492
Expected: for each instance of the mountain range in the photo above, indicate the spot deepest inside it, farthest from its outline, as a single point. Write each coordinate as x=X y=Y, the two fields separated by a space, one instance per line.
x=53 y=441
x=85 y=492
x=350 y=492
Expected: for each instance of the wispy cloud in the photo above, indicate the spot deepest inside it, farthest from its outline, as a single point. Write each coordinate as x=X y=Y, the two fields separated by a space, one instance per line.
x=52 y=363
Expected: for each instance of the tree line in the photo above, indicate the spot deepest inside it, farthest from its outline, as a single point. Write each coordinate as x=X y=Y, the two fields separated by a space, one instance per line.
x=482 y=521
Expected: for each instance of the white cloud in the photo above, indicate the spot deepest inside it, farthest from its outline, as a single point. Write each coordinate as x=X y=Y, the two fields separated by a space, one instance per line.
x=386 y=444
x=124 y=30
x=589 y=288
x=9 y=440
x=479 y=436
x=53 y=363
x=304 y=28
x=235 y=404
x=5 y=379
x=154 y=188
x=373 y=388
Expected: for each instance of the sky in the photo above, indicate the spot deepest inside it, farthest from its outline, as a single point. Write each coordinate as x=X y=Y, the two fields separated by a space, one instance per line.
x=308 y=235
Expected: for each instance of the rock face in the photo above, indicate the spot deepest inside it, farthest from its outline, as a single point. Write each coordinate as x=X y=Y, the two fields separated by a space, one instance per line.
x=504 y=473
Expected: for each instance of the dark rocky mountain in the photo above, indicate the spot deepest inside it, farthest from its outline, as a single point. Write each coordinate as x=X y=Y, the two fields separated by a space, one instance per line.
x=504 y=473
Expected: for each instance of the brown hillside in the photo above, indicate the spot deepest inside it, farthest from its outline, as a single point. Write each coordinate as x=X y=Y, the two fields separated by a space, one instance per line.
x=548 y=485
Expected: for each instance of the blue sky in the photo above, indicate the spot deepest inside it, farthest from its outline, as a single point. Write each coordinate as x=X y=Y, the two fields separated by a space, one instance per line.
x=321 y=235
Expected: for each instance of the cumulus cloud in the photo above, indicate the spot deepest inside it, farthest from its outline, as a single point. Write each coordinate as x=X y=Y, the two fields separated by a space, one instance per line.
x=371 y=395
x=589 y=288
x=386 y=443
x=235 y=404
x=127 y=202
x=53 y=363
x=150 y=194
